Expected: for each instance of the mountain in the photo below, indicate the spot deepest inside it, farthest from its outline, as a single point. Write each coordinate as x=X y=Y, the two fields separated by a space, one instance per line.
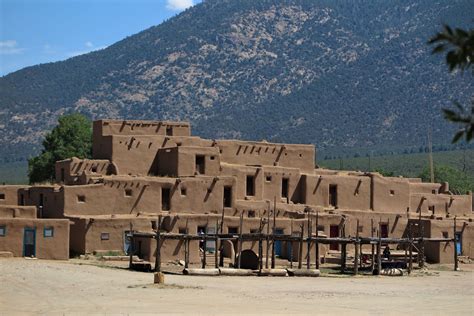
x=344 y=75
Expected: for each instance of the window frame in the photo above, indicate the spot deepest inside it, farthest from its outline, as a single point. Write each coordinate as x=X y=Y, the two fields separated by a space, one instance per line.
x=46 y=229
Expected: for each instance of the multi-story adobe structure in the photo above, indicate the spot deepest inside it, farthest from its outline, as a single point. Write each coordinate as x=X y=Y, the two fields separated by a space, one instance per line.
x=142 y=169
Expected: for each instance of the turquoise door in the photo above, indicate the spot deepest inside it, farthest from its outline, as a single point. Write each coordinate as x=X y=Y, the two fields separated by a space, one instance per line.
x=278 y=250
x=29 y=242
x=458 y=243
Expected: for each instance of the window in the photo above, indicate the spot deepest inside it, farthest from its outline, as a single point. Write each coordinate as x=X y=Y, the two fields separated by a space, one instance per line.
x=2 y=196
x=392 y=192
x=200 y=164
x=3 y=231
x=433 y=191
x=254 y=231
x=153 y=225
x=48 y=232
x=183 y=191
x=227 y=196
x=250 y=190
x=284 y=187
x=431 y=208
x=104 y=236
x=165 y=199
x=333 y=195
x=384 y=230
x=128 y=192
x=361 y=229
x=94 y=169
x=169 y=131
x=62 y=175
x=268 y=178
x=22 y=199
x=81 y=198
x=232 y=230
x=321 y=228
x=212 y=157
x=445 y=235
x=251 y=213
x=183 y=230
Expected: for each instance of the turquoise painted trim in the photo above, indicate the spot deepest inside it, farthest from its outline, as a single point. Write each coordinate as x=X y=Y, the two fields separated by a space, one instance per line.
x=52 y=232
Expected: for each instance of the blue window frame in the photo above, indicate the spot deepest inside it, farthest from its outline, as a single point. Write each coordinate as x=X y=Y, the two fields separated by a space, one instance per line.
x=48 y=232
x=3 y=231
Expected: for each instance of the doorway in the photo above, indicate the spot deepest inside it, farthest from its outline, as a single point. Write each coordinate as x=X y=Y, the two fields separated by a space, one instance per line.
x=200 y=164
x=458 y=238
x=383 y=230
x=127 y=242
x=334 y=233
x=29 y=242
x=333 y=195
x=278 y=231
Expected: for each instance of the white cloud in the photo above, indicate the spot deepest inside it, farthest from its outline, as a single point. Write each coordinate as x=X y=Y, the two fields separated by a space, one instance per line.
x=10 y=47
x=89 y=48
x=179 y=4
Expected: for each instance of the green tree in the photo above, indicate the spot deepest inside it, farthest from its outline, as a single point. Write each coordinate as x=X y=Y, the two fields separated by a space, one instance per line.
x=459 y=45
x=459 y=182
x=72 y=137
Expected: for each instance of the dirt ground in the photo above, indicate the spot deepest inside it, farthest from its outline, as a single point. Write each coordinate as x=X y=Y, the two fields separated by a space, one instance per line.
x=55 y=287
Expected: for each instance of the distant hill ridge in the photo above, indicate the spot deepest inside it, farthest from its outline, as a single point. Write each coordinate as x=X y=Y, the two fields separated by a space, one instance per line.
x=339 y=74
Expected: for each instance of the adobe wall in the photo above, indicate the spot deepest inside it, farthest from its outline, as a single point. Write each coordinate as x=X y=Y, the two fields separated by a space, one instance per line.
x=353 y=192
x=136 y=195
x=16 y=211
x=9 y=194
x=181 y=161
x=49 y=197
x=55 y=247
x=267 y=154
x=441 y=204
x=68 y=171
x=390 y=195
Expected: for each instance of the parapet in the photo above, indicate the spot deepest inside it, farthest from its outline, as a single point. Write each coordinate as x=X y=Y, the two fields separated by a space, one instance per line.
x=133 y=127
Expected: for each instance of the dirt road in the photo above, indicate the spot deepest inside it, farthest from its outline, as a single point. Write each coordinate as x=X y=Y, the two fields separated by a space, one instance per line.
x=52 y=287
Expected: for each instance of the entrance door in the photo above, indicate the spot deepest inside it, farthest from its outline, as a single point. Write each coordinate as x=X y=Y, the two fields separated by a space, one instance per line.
x=278 y=231
x=29 y=242
x=458 y=243
x=333 y=233
x=384 y=230
x=333 y=195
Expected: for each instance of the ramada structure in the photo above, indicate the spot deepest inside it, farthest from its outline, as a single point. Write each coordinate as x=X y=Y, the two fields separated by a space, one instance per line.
x=145 y=170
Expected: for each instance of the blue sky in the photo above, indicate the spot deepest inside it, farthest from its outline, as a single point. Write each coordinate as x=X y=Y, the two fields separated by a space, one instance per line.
x=40 y=31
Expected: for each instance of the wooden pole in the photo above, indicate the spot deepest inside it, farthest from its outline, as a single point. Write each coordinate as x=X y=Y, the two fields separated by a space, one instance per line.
x=308 y=252
x=300 y=252
x=379 y=253
x=273 y=233
x=130 y=262
x=316 y=244
x=356 y=251
x=410 y=249
x=240 y=239
x=216 y=244
x=260 y=247
x=204 y=259
x=186 y=248
x=372 y=263
x=158 y=246
x=291 y=245
x=421 y=254
x=456 y=263
x=267 y=250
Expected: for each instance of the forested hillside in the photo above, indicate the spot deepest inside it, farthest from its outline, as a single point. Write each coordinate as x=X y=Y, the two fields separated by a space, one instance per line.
x=344 y=75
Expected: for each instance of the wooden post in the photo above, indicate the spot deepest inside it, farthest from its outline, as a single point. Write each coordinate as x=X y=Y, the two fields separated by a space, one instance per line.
x=260 y=247
x=291 y=245
x=356 y=251
x=316 y=244
x=267 y=250
x=241 y=224
x=372 y=263
x=216 y=248
x=410 y=249
x=308 y=252
x=343 y=257
x=222 y=222
x=456 y=263
x=130 y=262
x=186 y=248
x=273 y=233
x=421 y=253
x=379 y=255
x=300 y=254
x=158 y=246
x=204 y=259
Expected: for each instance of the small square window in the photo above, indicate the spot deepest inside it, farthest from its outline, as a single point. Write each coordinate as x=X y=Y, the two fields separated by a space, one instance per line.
x=361 y=229
x=445 y=235
x=94 y=169
x=128 y=192
x=232 y=230
x=3 y=231
x=183 y=230
x=183 y=191
x=48 y=232
x=251 y=213
x=2 y=196
x=433 y=191
x=268 y=178
x=321 y=228
x=104 y=236
x=81 y=198
x=392 y=192
x=212 y=157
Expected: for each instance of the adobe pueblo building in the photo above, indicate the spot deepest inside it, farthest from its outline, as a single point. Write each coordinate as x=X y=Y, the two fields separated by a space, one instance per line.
x=145 y=170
